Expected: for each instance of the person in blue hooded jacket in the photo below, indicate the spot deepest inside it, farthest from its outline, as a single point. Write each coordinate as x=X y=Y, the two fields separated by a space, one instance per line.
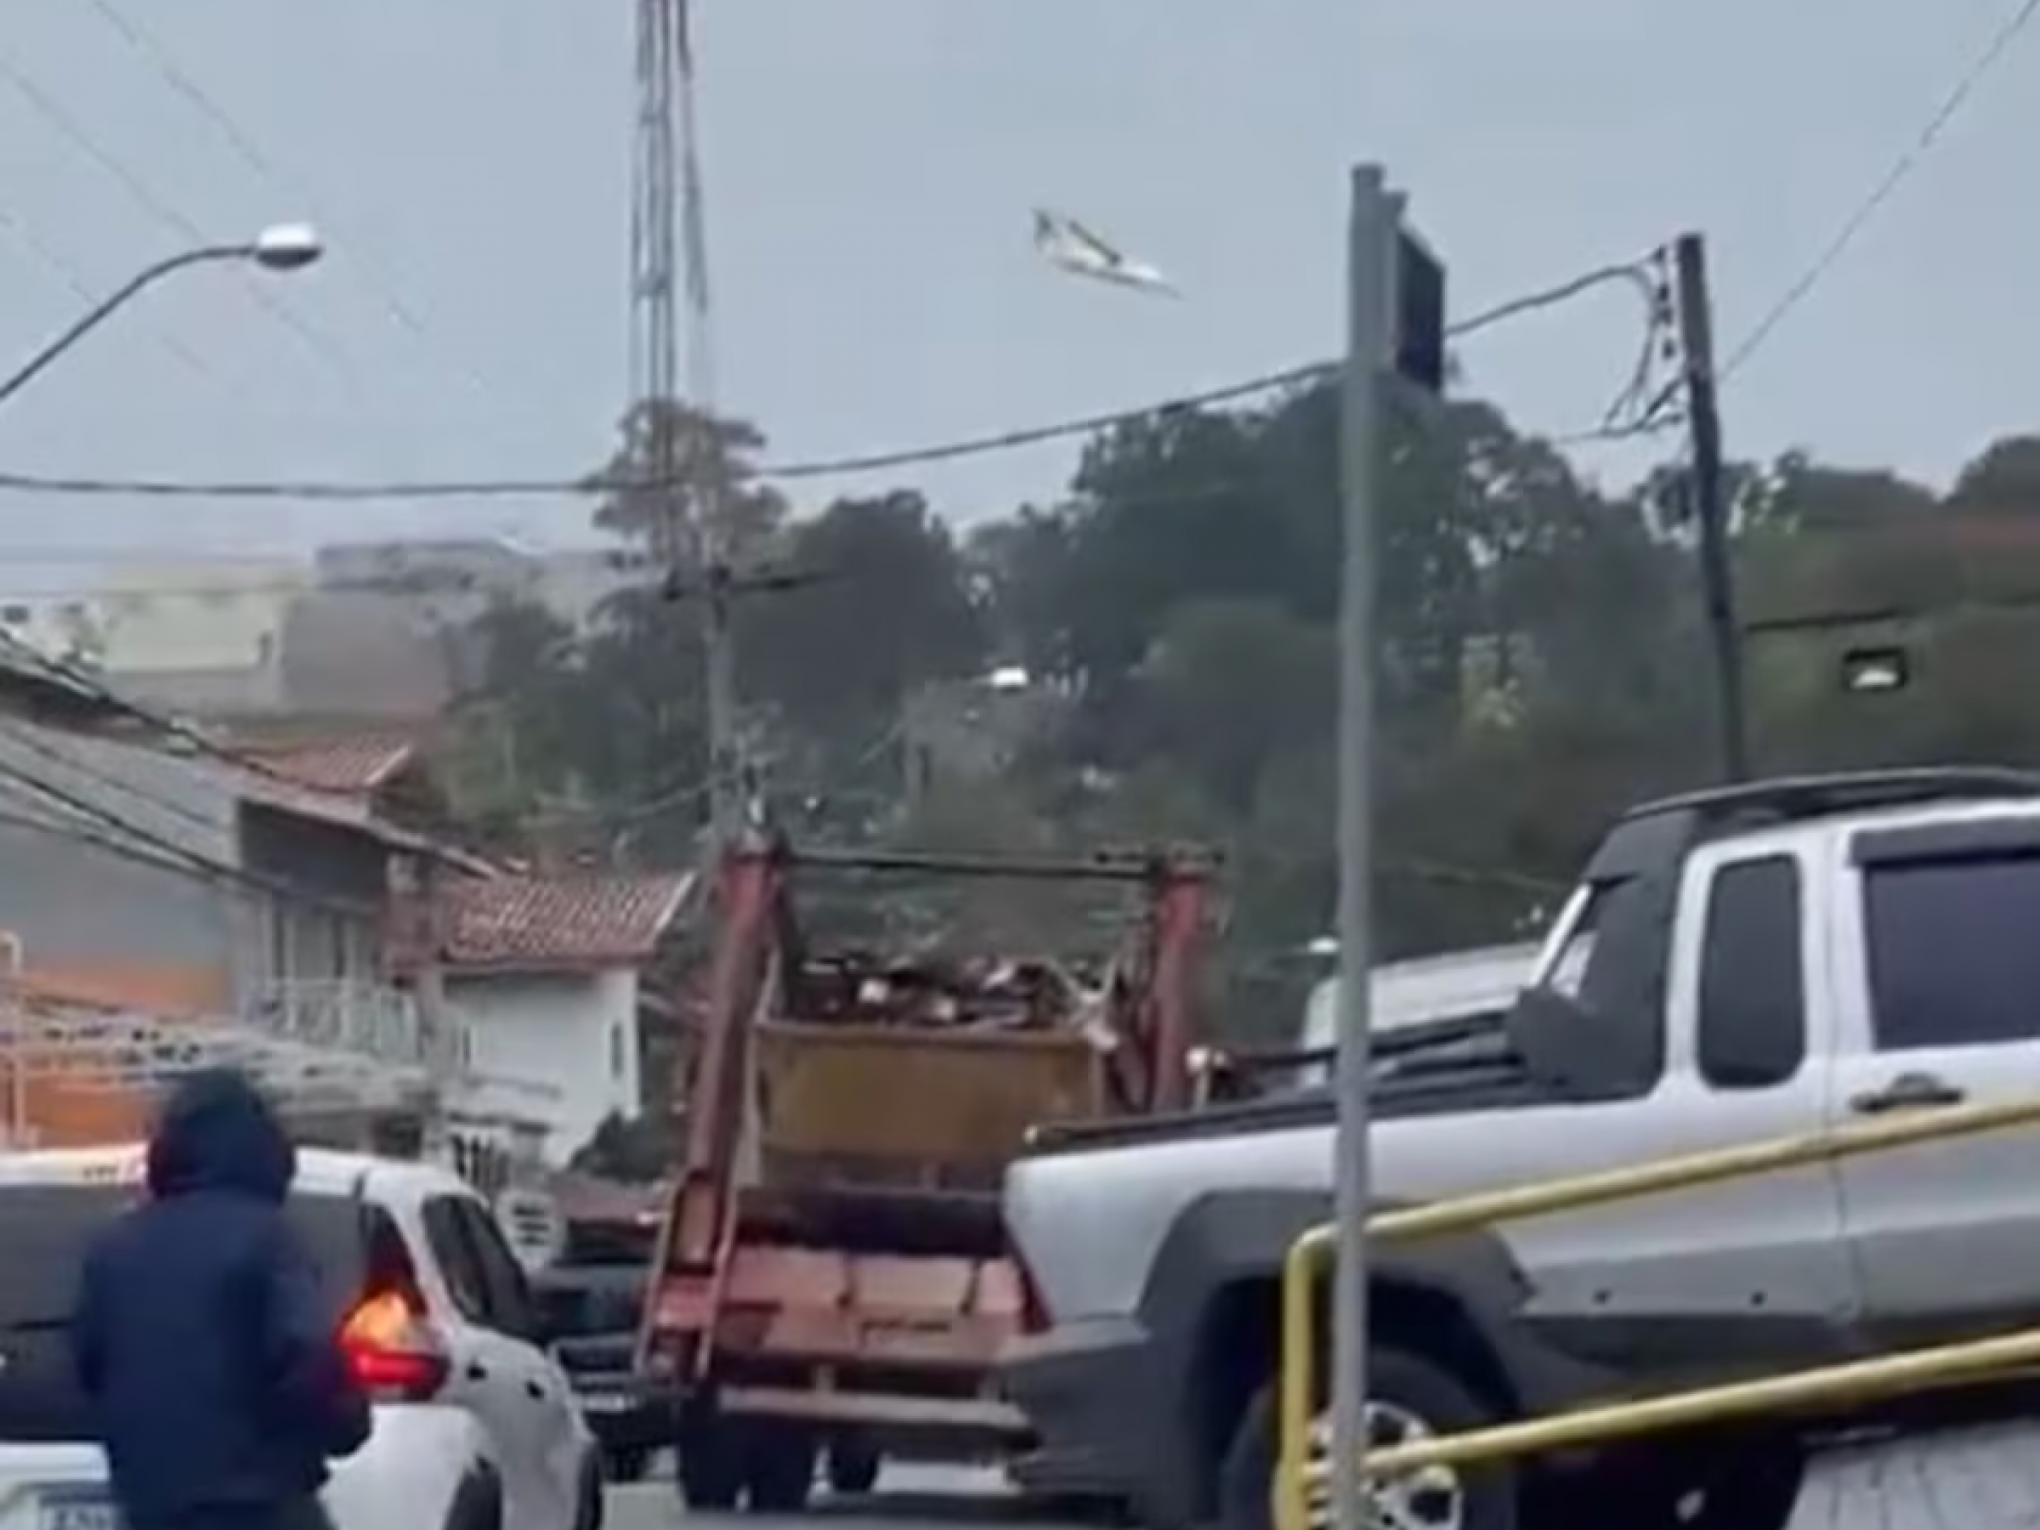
x=201 y=1337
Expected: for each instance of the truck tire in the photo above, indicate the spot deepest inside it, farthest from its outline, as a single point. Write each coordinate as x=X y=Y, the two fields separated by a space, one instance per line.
x=626 y=1463
x=710 y=1465
x=854 y=1463
x=590 y=1501
x=779 y=1467
x=1414 y=1397
x=477 y=1502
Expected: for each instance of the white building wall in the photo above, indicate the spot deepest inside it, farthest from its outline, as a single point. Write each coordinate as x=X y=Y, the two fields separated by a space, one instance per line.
x=556 y=1047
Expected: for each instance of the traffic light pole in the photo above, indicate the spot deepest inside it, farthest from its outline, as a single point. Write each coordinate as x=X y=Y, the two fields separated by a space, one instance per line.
x=1710 y=504
x=1373 y=244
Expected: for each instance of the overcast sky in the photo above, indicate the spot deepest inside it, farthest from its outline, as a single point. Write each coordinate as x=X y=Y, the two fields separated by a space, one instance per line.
x=871 y=165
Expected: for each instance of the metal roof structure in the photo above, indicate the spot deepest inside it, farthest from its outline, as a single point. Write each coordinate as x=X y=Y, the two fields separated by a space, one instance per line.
x=96 y=1049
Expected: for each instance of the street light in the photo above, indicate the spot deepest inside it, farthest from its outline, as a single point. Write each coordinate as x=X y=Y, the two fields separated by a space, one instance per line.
x=284 y=247
x=279 y=247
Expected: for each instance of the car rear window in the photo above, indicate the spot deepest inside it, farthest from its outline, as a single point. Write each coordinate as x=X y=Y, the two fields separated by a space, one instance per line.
x=44 y=1232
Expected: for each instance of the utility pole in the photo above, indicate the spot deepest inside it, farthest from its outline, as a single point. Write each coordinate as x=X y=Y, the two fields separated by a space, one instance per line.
x=19 y=1133
x=1373 y=246
x=728 y=786
x=1710 y=507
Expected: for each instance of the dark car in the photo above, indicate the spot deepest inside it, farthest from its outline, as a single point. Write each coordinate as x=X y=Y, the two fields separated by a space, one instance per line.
x=591 y=1299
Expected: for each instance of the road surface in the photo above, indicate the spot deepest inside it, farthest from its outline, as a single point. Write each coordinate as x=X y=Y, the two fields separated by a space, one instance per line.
x=909 y=1498
x=1975 y=1479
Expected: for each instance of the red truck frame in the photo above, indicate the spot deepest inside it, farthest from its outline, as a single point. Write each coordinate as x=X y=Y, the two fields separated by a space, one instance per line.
x=831 y=1279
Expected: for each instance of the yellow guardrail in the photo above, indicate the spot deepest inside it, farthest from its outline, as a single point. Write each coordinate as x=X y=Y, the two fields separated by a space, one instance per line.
x=1852 y=1381
x=1314 y=1249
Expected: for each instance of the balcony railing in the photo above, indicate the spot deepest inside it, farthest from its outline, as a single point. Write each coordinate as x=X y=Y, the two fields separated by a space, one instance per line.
x=365 y=1019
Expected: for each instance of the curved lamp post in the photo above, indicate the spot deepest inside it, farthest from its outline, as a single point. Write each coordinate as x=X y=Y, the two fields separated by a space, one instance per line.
x=280 y=247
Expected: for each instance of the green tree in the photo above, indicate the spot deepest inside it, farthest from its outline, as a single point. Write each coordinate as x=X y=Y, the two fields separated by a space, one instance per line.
x=889 y=608
x=711 y=483
x=514 y=729
x=2004 y=480
x=1230 y=687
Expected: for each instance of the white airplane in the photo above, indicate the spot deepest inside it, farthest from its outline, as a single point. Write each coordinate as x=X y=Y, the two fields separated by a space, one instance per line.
x=1067 y=243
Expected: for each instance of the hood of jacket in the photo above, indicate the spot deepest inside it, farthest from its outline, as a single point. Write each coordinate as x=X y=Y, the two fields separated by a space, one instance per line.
x=217 y=1132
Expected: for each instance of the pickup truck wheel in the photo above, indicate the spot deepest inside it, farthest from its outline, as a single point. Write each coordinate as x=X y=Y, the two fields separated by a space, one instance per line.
x=1410 y=1399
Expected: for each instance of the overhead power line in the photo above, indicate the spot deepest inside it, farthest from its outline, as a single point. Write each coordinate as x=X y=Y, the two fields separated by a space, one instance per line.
x=251 y=153
x=77 y=817
x=1873 y=202
x=67 y=272
x=160 y=723
x=824 y=467
x=75 y=133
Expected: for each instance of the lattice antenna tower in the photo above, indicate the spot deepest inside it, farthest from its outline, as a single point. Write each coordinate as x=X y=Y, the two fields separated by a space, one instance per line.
x=669 y=252
x=655 y=331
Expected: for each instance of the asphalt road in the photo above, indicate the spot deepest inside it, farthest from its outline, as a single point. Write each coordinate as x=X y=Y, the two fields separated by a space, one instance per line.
x=1971 y=1479
x=909 y=1498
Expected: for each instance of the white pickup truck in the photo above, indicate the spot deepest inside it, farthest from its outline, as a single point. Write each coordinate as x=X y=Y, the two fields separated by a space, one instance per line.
x=1734 y=965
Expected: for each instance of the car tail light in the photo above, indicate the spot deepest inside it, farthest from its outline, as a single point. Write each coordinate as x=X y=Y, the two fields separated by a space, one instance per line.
x=392 y=1348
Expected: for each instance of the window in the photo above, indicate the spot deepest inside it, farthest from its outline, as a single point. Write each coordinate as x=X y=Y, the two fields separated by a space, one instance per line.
x=454 y=1253
x=1752 y=1016
x=482 y=1275
x=1952 y=954
x=511 y=1309
x=45 y=1230
x=1576 y=972
x=616 y=1051
x=276 y=916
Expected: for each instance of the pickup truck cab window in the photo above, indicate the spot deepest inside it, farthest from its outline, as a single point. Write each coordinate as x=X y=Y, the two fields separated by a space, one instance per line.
x=1952 y=951
x=1569 y=966
x=1752 y=1000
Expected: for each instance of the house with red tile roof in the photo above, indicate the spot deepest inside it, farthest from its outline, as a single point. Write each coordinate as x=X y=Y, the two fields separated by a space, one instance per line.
x=550 y=985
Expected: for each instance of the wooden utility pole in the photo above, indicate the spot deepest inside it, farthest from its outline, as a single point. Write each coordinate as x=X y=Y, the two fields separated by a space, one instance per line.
x=1710 y=504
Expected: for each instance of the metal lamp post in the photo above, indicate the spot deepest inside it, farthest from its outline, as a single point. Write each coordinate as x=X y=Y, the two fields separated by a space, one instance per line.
x=280 y=247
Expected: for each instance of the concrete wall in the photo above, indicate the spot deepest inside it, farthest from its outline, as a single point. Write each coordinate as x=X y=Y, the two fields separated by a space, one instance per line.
x=79 y=891
x=133 y=897
x=525 y=1033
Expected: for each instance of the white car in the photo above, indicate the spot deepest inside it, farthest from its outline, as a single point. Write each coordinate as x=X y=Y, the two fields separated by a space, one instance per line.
x=474 y=1424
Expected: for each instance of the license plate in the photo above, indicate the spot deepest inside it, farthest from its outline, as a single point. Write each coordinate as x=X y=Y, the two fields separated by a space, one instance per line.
x=606 y=1402
x=76 y=1509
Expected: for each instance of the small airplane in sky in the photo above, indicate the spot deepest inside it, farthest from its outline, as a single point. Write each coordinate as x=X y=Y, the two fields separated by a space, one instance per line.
x=1066 y=243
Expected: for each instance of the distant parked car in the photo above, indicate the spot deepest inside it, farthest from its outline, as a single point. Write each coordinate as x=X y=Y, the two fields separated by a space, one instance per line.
x=590 y=1300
